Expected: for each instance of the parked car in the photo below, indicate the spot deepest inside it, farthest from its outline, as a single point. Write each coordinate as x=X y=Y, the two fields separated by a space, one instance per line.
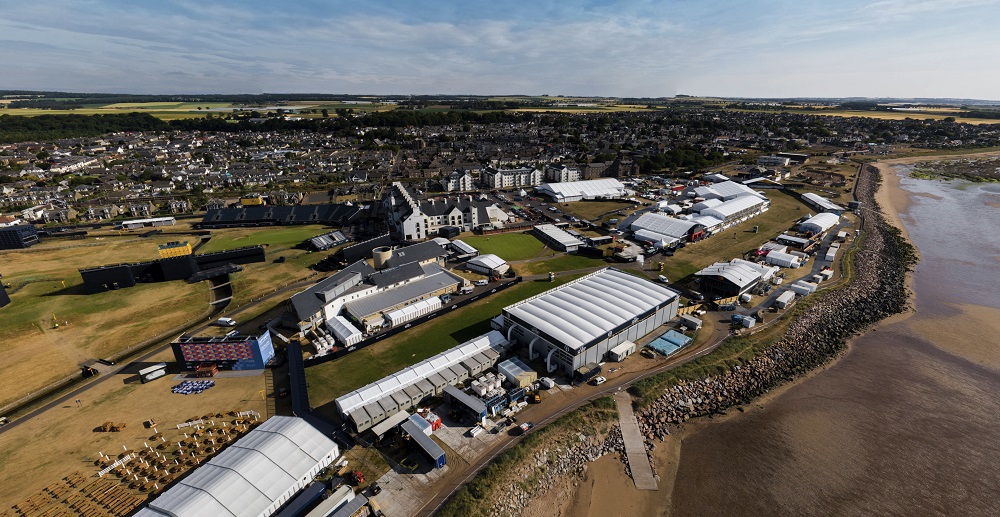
x=599 y=380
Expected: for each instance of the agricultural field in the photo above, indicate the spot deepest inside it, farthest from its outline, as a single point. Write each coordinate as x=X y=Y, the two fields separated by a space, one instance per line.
x=888 y=115
x=160 y=110
x=330 y=380
x=508 y=246
x=784 y=212
x=63 y=439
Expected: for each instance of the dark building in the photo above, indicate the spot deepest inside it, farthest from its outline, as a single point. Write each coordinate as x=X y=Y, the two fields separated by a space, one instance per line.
x=228 y=353
x=4 y=297
x=17 y=237
x=268 y=215
x=188 y=267
x=362 y=250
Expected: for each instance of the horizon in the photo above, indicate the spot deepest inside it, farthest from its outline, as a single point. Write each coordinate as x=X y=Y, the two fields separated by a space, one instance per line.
x=770 y=50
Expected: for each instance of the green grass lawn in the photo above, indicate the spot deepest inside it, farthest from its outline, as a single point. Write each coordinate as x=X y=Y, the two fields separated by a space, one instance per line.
x=563 y=263
x=592 y=209
x=508 y=246
x=784 y=211
x=330 y=380
x=278 y=237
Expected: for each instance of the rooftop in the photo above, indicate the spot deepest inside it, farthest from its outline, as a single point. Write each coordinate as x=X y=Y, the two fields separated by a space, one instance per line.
x=588 y=308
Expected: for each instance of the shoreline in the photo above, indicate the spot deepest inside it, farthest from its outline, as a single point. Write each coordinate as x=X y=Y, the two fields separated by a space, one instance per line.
x=666 y=452
x=882 y=285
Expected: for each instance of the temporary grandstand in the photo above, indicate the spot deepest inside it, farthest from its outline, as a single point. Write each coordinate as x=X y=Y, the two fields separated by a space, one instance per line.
x=254 y=476
x=138 y=224
x=266 y=215
x=379 y=400
x=605 y=188
x=578 y=322
x=463 y=248
x=327 y=241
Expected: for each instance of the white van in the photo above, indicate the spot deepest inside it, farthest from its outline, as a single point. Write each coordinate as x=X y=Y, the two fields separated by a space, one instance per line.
x=226 y=322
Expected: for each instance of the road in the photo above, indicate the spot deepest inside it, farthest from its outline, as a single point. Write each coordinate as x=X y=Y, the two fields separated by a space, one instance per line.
x=109 y=373
x=545 y=413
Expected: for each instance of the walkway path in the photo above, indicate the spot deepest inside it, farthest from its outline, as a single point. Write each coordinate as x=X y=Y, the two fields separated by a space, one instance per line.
x=635 y=446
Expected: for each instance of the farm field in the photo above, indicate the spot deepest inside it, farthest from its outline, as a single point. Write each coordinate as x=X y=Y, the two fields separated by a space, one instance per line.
x=508 y=246
x=330 y=380
x=63 y=439
x=890 y=115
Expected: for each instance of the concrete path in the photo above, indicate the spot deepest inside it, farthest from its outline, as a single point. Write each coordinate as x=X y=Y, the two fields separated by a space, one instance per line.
x=635 y=446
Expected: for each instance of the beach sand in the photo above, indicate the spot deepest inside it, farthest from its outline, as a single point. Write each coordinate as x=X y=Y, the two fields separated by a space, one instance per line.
x=896 y=425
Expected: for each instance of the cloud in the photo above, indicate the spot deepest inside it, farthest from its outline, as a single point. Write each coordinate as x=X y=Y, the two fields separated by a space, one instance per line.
x=643 y=48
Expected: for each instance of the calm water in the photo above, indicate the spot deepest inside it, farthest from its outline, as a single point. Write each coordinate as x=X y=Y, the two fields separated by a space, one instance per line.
x=901 y=425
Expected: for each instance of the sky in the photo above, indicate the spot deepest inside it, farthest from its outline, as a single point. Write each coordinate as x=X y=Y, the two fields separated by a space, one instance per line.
x=732 y=48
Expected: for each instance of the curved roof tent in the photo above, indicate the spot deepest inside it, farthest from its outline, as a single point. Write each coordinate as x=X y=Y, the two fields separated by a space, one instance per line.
x=588 y=308
x=820 y=223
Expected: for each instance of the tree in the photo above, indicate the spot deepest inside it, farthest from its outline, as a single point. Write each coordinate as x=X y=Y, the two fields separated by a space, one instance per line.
x=325 y=112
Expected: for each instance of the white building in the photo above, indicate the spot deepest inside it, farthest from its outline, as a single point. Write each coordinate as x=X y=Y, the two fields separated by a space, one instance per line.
x=508 y=178
x=561 y=174
x=726 y=191
x=737 y=210
x=819 y=223
x=254 y=476
x=489 y=265
x=579 y=322
x=773 y=161
x=821 y=203
x=605 y=188
x=557 y=239
x=374 y=403
x=414 y=219
x=458 y=181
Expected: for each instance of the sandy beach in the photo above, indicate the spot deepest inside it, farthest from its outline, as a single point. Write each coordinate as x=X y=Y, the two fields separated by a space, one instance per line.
x=843 y=436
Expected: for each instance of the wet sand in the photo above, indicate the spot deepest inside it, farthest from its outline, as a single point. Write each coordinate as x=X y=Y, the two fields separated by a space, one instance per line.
x=905 y=423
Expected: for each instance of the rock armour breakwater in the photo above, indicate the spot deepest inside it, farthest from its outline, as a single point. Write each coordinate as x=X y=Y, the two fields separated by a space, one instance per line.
x=878 y=290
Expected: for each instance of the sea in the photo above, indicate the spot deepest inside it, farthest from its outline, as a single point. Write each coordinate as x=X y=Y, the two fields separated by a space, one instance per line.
x=907 y=422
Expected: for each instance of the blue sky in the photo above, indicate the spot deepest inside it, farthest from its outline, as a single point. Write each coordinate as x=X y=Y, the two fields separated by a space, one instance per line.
x=904 y=48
